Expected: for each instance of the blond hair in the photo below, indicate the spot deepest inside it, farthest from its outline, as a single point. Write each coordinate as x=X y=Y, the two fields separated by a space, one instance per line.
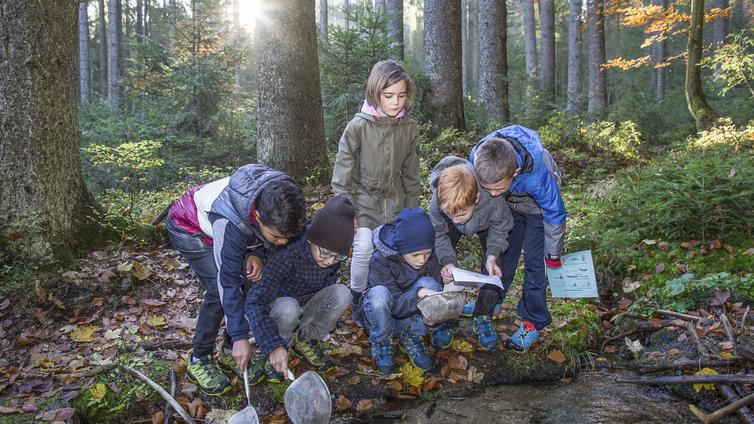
x=495 y=161
x=456 y=189
x=384 y=74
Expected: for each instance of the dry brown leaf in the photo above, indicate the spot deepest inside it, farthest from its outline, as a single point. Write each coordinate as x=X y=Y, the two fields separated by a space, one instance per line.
x=364 y=405
x=396 y=385
x=659 y=268
x=158 y=417
x=83 y=334
x=458 y=363
x=152 y=302
x=556 y=356
x=140 y=271
x=342 y=403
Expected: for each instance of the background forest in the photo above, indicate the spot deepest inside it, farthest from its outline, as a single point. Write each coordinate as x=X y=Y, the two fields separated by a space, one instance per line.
x=647 y=106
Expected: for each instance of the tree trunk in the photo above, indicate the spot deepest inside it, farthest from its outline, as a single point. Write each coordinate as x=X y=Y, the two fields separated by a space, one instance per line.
x=113 y=54
x=659 y=55
x=147 y=19
x=290 y=123
x=139 y=21
x=346 y=14
x=102 y=50
x=547 y=51
x=395 y=25
x=43 y=199
x=323 y=19
x=530 y=38
x=83 y=53
x=701 y=111
x=573 y=102
x=442 y=61
x=379 y=5
x=473 y=45
x=720 y=27
x=493 y=39
x=465 y=46
x=597 y=106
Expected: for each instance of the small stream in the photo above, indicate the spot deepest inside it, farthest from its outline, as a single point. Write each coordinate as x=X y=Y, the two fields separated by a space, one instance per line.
x=591 y=398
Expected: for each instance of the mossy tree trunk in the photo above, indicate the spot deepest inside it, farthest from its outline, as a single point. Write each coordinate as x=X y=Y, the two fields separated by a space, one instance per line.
x=290 y=123
x=44 y=203
x=703 y=114
x=597 y=105
x=547 y=51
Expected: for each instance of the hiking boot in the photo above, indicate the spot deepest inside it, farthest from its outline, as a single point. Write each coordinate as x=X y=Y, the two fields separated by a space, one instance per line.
x=229 y=367
x=414 y=349
x=468 y=310
x=271 y=375
x=383 y=357
x=523 y=338
x=485 y=332
x=205 y=374
x=312 y=353
x=443 y=336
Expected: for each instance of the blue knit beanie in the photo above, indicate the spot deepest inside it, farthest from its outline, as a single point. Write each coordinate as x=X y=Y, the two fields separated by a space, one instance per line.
x=413 y=231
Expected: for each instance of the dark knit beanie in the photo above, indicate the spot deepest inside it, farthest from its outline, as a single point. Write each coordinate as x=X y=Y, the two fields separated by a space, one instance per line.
x=413 y=231
x=332 y=226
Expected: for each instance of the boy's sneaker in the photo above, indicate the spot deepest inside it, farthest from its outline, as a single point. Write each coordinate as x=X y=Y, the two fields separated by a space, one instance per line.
x=271 y=375
x=205 y=373
x=442 y=337
x=468 y=310
x=383 y=357
x=312 y=353
x=485 y=332
x=523 y=338
x=228 y=366
x=414 y=349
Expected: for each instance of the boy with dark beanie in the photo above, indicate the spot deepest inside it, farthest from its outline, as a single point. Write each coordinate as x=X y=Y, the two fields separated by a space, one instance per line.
x=403 y=269
x=297 y=302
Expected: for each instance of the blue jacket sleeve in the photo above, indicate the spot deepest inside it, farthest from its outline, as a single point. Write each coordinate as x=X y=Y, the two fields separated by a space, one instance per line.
x=548 y=198
x=258 y=300
x=229 y=251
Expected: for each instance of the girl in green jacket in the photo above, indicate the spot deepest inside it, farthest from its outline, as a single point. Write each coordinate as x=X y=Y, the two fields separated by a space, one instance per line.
x=377 y=166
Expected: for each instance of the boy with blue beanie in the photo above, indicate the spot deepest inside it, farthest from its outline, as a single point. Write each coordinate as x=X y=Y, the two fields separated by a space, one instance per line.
x=403 y=269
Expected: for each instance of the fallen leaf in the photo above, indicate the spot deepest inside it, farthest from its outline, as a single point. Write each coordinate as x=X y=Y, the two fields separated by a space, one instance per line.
x=749 y=251
x=556 y=356
x=709 y=386
x=458 y=363
x=158 y=417
x=97 y=302
x=83 y=334
x=194 y=406
x=364 y=405
x=170 y=264
x=715 y=244
x=609 y=349
x=156 y=321
x=663 y=246
x=659 y=268
x=634 y=346
x=342 y=403
x=4 y=304
x=98 y=392
x=411 y=375
x=475 y=376
x=8 y=410
x=396 y=385
x=140 y=271
x=726 y=345
x=732 y=173
x=152 y=302
x=727 y=355
x=105 y=275
x=673 y=351
x=460 y=345
x=719 y=297
x=113 y=334
x=125 y=267
x=649 y=242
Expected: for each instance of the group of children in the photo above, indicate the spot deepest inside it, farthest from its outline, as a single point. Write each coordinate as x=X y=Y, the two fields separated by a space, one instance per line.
x=268 y=271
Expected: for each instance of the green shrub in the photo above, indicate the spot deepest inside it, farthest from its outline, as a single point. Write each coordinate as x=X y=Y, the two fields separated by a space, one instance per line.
x=687 y=292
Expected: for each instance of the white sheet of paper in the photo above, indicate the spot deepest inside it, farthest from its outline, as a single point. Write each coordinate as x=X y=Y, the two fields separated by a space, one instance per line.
x=467 y=278
x=575 y=278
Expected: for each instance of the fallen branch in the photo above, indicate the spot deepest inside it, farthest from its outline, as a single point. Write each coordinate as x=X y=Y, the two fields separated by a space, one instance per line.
x=163 y=214
x=694 y=335
x=720 y=311
x=167 y=411
x=744 y=413
x=683 y=364
x=743 y=321
x=679 y=315
x=711 y=418
x=163 y=345
x=165 y=395
x=688 y=379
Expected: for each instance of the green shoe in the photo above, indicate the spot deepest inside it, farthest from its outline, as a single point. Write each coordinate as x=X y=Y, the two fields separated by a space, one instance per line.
x=229 y=367
x=312 y=353
x=207 y=376
x=271 y=375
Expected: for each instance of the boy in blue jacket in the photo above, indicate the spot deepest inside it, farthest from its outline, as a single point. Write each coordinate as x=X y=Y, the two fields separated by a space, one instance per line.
x=512 y=162
x=402 y=270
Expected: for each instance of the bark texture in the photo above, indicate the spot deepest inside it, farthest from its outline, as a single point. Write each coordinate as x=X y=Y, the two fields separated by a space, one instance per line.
x=113 y=54
x=703 y=114
x=530 y=38
x=102 y=50
x=493 y=78
x=395 y=25
x=43 y=198
x=597 y=107
x=442 y=61
x=573 y=102
x=323 y=19
x=472 y=31
x=83 y=53
x=290 y=123
x=547 y=51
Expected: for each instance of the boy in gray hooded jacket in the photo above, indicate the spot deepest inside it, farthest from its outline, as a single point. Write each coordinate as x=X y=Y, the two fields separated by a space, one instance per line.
x=460 y=207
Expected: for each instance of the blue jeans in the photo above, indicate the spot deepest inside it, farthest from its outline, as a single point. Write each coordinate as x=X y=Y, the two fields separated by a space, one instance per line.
x=200 y=258
x=377 y=311
x=528 y=233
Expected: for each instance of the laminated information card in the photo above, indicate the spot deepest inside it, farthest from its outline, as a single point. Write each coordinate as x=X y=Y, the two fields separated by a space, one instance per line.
x=575 y=278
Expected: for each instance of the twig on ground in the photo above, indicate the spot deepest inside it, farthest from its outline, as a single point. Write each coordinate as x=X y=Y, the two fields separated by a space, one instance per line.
x=166 y=410
x=692 y=332
x=160 y=345
x=165 y=395
x=688 y=379
x=679 y=315
x=682 y=364
x=720 y=311
x=744 y=413
x=743 y=321
x=711 y=418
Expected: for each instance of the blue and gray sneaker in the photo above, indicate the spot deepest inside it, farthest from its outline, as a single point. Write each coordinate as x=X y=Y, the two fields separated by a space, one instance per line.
x=443 y=336
x=523 y=338
x=414 y=349
x=485 y=332
x=383 y=357
x=468 y=310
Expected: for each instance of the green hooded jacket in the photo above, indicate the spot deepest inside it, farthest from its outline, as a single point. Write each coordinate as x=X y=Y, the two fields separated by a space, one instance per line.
x=377 y=167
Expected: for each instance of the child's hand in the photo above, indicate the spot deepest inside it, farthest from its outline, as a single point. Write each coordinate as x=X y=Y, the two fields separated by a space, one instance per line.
x=492 y=268
x=241 y=352
x=254 y=268
x=279 y=360
x=446 y=274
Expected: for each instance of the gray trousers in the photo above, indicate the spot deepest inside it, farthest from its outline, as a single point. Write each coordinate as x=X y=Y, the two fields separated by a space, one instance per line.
x=316 y=319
